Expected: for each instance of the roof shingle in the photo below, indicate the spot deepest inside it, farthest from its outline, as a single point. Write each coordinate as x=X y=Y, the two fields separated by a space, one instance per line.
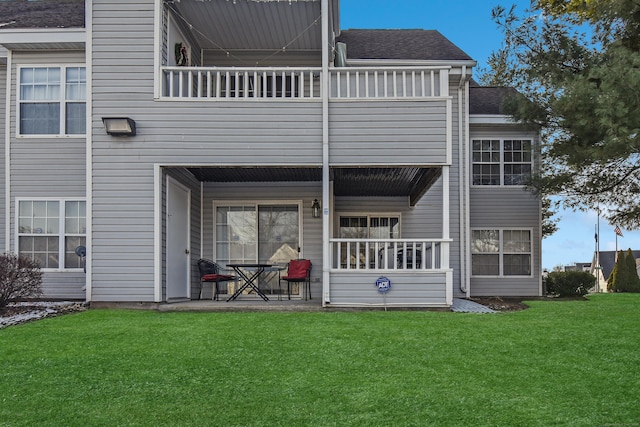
x=41 y=14
x=400 y=44
x=488 y=99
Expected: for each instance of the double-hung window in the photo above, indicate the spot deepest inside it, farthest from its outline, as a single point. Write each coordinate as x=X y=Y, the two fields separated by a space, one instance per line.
x=52 y=101
x=501 y=162
x=497 y=252
x=49 y=231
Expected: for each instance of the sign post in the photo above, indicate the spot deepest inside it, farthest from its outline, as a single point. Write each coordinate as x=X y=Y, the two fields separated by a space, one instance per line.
x=384 y=285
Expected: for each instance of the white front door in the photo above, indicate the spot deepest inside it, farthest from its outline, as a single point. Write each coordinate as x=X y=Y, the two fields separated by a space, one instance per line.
x=178 y=241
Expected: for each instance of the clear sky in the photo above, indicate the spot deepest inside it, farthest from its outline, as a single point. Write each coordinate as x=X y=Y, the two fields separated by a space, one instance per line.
x=468 y=24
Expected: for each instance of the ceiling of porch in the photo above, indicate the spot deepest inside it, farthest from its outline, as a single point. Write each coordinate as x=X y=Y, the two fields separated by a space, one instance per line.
x=230 y=25
x=412 y=182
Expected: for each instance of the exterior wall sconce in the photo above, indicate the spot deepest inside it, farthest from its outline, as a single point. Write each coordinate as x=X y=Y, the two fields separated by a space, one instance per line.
x=315 y=208
x=119 y=126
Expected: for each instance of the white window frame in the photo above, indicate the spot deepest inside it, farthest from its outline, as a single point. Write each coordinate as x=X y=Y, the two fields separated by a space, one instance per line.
x=502 y=164
x=62 y=232
x=62 y=100
x=501 y=252
x=369 y=215
x=239 y=203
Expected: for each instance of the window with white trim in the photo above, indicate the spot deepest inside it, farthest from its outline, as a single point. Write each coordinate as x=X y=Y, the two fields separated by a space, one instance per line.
x=50 y=230
x=501 y=252
x=501 y=162
x=52 y=101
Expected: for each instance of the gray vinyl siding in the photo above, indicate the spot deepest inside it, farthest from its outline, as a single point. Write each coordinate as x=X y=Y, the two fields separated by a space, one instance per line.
x=264 y=192
x=47 y=168
x=3 y=94
x=373 y=132
x=67 y=285
x=171 y=133
x=494 y=207
x=407 y=289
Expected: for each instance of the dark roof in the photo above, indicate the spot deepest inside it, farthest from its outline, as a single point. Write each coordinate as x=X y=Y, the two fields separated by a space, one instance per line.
x=488 y=99
x=608 y=260
x=400 y=44
x=41 y=14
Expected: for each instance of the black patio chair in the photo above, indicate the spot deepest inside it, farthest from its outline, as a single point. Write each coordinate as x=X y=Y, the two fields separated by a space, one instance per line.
x=210 y=272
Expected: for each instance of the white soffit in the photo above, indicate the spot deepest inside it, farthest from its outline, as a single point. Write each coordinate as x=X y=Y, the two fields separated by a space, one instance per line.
x=43 y=38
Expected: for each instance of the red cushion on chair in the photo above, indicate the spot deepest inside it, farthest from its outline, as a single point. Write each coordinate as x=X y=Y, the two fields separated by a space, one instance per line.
x=297 y=269
x=216 y=277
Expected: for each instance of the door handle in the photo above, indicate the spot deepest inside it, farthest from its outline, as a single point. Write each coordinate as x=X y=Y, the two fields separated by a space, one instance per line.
x=186 y=251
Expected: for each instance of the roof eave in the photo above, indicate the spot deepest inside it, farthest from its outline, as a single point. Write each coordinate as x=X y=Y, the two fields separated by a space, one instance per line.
x=42 y=38
x=490 y=119
x=411 y=62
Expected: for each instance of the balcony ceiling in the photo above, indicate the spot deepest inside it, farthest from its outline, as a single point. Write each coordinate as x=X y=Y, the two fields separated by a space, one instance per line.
x=252 y=25
x=412 y=182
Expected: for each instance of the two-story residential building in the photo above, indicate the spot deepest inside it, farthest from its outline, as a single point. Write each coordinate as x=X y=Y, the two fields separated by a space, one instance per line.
x=258 y=131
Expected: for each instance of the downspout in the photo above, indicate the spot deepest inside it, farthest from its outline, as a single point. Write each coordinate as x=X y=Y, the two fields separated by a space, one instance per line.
x=467 y=202
x=462 y=182
x=7 y=155
x=326 y=208
x=88 y=261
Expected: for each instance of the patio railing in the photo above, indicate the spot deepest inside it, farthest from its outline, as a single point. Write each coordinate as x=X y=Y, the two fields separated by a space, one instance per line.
x=389 y=254
x=241 y=83
x=389 y=82
x=296 y=83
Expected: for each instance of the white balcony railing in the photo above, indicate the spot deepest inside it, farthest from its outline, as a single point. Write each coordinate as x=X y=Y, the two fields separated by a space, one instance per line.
x=390 y=254
x=288 y=83
x=387 y=82
x=241 y=83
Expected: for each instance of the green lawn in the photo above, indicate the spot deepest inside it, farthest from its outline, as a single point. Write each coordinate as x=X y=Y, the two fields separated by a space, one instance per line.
x=558 y=363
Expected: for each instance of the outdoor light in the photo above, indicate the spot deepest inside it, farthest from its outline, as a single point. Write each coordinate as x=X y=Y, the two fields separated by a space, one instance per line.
x=119 y=126
x=315 y=208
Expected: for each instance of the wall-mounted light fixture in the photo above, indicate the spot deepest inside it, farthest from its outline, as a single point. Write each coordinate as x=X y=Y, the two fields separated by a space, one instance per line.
x=315 y=208
x=119 y=126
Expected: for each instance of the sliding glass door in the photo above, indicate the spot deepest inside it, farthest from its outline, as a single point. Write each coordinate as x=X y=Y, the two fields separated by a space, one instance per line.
x=258 y=233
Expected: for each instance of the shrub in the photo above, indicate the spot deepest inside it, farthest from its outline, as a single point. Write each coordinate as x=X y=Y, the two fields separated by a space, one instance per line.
x=569 y=283
x=20 y=277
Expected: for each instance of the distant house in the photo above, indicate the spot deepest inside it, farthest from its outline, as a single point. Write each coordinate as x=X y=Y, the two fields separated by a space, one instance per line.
x=578 y=266
x=257 y=132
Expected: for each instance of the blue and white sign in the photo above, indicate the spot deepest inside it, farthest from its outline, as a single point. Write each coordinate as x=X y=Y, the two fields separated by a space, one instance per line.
x=383 y=284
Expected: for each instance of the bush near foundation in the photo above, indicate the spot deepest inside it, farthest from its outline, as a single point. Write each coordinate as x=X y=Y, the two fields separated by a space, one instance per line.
x=20 y=277
x=569 y=283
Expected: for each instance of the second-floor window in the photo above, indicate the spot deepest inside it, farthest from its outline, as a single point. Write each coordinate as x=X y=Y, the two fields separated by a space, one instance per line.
x=501 y=162
x=52 y=101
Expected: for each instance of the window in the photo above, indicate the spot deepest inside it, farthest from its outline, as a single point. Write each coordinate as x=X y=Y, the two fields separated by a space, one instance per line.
x=369 y=227
x=364 y=227
x=501 y=162
x=52 y=101
x=50 y=230
x=501 y=253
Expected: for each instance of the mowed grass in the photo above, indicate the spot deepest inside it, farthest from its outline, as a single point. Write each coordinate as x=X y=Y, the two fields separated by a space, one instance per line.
x=558 y=363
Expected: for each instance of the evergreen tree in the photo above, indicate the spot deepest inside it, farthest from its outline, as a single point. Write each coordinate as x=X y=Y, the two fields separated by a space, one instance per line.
x=577 y=63
x=617 y=274
x=633 y=282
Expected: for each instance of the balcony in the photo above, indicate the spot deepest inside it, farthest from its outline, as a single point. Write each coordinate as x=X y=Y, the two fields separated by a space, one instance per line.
x=300 y=83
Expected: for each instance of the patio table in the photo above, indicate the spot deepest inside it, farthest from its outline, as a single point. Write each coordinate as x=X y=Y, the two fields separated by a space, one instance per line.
x=250 y=273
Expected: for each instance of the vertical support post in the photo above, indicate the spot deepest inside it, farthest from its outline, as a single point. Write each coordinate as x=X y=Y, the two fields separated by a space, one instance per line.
x=326 y=206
